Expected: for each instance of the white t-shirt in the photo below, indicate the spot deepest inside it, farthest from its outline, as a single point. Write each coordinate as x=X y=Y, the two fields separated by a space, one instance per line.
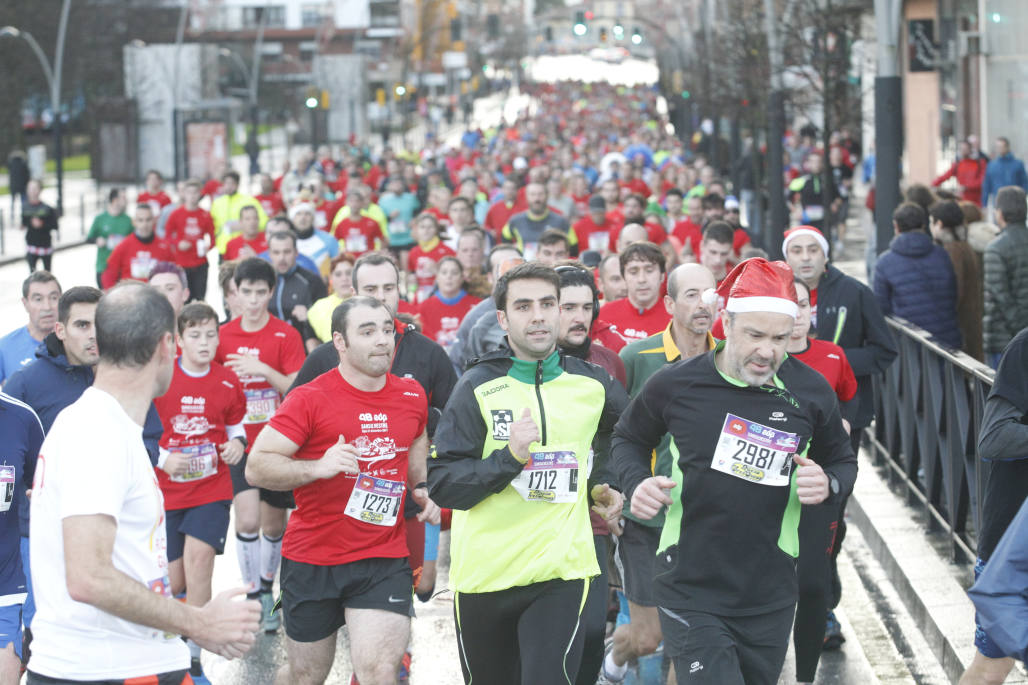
x=93 y=462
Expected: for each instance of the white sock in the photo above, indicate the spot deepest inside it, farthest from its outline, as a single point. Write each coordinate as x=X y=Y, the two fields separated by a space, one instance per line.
x=194 y=649
x=612 y=670
x=271 y=555
x=248 y=551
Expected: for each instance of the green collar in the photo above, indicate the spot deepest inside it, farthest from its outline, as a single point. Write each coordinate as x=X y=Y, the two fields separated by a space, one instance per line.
x=735 y=381
x=526 y=372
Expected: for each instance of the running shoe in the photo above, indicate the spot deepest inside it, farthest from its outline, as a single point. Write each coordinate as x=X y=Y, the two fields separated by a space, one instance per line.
x=196 y=673
x=833 y=634
x=270 y=618
x=404 y=674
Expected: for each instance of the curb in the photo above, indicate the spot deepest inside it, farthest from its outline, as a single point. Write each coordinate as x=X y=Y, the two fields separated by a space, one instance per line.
x=932 y=588
x=14 y=259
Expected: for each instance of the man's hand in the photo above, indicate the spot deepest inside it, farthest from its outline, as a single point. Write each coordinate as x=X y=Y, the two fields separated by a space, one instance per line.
x=177 y=464
x=101 y=241
x=226 y=626
x=608 y=504
x=245 y=365
x=37 y=222
x=523 y=433
x=430 y=511
x=247 y=251
x=339 y=458
x=231 y=451
x=651 y=496
x=811 y=481
x=299 y=312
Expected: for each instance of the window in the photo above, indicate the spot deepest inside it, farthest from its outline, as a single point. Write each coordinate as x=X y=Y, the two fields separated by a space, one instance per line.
x=276 y=16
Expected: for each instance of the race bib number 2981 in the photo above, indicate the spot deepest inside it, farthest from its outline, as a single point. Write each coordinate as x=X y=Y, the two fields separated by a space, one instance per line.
x=754 y=452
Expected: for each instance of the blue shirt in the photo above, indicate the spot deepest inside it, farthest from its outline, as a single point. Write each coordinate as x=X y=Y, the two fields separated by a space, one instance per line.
x=17 y=349
x=399 y=228
x=23 y=435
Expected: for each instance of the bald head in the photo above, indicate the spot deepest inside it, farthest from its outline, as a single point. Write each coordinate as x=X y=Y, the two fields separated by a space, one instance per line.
x=686 y=277
x=632 y=233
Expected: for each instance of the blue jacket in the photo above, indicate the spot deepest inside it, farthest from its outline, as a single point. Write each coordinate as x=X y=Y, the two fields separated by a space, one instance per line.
x=914 y=280
x=50 y=383
x=1003 y=171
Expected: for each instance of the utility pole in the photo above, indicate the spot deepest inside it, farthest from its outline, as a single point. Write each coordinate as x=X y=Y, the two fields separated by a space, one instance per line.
x=774 y=228
x=888 y=119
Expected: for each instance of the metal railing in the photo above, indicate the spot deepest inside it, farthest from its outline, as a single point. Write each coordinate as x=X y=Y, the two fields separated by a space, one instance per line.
x=928 y=408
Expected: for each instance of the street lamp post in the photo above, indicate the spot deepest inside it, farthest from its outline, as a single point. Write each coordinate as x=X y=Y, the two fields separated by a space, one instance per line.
x=53 y=80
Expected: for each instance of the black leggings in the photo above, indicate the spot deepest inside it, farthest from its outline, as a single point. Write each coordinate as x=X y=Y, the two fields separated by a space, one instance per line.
x=835 y=592
x=32 y=259
x=594 y=619
x=528 y=635
x=196 y=279
x=813 y=571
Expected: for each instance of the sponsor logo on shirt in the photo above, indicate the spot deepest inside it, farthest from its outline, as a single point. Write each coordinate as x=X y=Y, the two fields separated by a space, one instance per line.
x=498 y=388
x=378 y=449
x=374 y=422
x=502 y=420
x=190 y=426
x=777 y=416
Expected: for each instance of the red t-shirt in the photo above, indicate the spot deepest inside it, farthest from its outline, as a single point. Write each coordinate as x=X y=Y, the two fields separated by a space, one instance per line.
x=195 y=413
x=740 y=239
x=687 y=230
x=498 y=215
x=593 y=236
x=279 y=346
x=637 y=185
x=442 y=217
x=272 y=204
x=258 y=245
x=156 y=200
x=358 y=234
x=830 y=361
x=423 y=264
x=632 y=324
x=813 y=308
x=189 y=226
x=440 y=320
x=212 y=188
x=655 y=233
x=325 y=213
x=345 y=518
x=134 y=259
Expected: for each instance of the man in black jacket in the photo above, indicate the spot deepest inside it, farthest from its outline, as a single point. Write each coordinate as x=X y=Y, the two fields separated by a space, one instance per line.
x=843 y=311
x=297 y=288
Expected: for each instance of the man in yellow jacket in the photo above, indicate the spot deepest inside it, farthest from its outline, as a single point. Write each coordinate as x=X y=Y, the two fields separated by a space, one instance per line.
x=225 y=210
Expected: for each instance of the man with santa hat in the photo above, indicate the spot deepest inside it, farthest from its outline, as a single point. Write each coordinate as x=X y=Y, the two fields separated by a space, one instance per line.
x=755 y=434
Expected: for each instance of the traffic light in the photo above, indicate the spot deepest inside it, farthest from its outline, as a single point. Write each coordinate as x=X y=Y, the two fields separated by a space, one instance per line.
x=455 y=30
x=549 y=34
x=313 y=98
x=493 y=26
x=580 y=29
x=619 y=31
x=603 y=35
x=686 y=95
x=637 y=36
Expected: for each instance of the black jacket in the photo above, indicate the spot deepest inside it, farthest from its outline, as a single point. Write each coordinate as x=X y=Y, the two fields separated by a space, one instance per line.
x=864 y=335
x=299 y=286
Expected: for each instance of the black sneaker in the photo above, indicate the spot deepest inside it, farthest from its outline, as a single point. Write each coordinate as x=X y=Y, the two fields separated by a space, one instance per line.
x=833 y=634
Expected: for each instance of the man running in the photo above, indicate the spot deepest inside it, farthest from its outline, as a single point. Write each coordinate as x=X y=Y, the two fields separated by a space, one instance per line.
x=40 y=293
x=350 y=443
x=512 y=456
x=687 y=335
x=739 y=417
x=641 y=313
x=105 y=611
x=202 y=414
x=265 y=353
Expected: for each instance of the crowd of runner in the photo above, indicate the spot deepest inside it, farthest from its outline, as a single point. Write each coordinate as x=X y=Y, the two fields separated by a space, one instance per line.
x=555 y=340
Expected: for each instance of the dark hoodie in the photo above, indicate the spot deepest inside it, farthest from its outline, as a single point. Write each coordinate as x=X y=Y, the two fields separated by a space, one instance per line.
x=914 y=280
x=50 y=383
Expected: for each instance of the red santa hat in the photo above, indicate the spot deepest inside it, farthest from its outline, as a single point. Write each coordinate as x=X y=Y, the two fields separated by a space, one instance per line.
x=805 y=230
x=757 y=285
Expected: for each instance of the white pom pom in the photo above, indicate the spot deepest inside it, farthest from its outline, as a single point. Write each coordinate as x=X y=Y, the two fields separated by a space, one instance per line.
x=709 y=296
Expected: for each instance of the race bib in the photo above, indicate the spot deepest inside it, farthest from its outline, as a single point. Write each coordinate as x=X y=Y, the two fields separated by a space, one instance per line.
x=375 y=500
x=113 y=240
x=356 y=243
x=814 y=212
x=141 y=266
x=203 y=462
x=598 y=241
x=549 y=477
x=7 y=479
x=754 y=452
x=261 y=405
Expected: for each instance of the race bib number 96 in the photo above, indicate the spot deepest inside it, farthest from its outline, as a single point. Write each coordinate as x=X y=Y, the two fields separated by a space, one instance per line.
x=550 y=477
x=203 y=462
x=754 y=452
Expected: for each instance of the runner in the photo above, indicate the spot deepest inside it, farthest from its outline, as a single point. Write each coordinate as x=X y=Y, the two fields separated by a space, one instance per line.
x=818 y=523
x=423 y=259
x=110 y=227
x=136 y=255
x=739 y=417
x=265 y=353
x=171 y=280
x=687 y=335
x=251 y=240
x=522 y=551
x=98 y=529
x=442 y=313
x=40 y=294
x=202 y=414
x=189 y=231
x=23 y=434
x=349 y=443
x=641 y=313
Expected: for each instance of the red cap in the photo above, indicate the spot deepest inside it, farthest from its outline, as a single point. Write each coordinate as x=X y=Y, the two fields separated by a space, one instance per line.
x=805 y=230
x=757 y=285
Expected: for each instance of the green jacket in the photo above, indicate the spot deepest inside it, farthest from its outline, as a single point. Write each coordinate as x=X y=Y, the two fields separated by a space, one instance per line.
x=516 y=524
